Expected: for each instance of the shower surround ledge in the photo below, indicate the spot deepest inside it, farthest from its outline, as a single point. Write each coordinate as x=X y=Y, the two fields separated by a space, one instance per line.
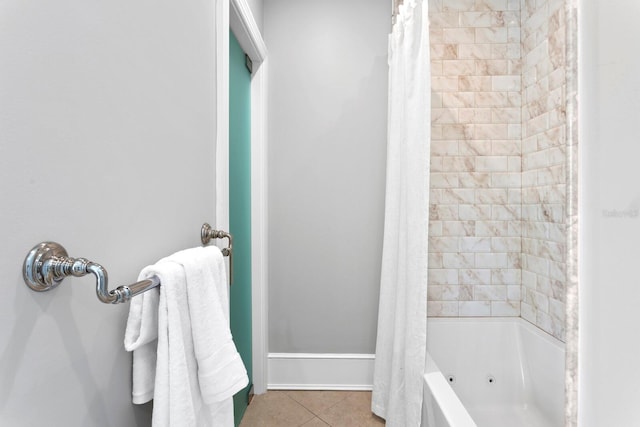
x=498 y=194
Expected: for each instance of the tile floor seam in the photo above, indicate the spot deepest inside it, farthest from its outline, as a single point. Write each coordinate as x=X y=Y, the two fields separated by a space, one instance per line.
x=324 y=421
x=302 y=406
x=316 y=418
x=323 y=410
x=284 y=392
x=299 y=403
x=329 y=407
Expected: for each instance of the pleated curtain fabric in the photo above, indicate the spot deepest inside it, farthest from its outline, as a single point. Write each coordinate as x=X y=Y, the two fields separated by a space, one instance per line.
x=402 y=318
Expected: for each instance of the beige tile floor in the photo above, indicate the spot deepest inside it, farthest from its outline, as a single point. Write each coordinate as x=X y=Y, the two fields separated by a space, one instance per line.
x=293 y=408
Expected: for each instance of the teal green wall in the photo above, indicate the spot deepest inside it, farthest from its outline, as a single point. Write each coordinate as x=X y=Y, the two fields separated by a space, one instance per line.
x=240 y=209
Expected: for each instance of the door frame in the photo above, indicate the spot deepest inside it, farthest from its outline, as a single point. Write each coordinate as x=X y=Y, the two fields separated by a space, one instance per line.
x=235 y=15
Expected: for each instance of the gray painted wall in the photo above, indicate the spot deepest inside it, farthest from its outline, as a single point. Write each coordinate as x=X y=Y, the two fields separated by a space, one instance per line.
x=107 y=127
x=327 y=151
x=257 y=7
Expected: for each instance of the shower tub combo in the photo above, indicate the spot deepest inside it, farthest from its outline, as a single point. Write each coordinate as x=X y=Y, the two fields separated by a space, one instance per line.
x=492 y=372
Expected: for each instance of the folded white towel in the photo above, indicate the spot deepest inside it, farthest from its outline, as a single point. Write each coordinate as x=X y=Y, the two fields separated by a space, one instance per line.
x=221 y=372
x=198 y=367
x=141 y=337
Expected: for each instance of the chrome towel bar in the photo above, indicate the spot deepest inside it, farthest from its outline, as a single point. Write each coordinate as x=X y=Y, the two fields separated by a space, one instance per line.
x=48 y=263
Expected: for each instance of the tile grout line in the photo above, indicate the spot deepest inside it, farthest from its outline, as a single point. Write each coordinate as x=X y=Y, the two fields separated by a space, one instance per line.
x=302 y=406
x=316 y=415
x=329 y=407
x=323 y=420
x=310 y=410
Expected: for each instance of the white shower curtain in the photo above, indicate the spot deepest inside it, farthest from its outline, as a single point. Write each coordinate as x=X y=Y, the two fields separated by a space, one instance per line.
x=402 y=317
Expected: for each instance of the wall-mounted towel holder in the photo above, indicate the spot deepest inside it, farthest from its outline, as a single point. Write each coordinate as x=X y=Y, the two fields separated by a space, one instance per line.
x=207 y=233
x=48 y=263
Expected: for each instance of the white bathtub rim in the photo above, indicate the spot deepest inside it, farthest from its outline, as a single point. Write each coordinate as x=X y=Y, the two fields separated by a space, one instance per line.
x=452 y=408
x=528 y=326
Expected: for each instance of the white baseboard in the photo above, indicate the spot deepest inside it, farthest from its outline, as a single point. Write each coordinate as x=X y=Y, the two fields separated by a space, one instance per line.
x=309 y=371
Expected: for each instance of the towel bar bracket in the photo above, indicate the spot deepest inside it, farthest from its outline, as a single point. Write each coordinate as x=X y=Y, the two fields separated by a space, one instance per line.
x=47 y=264
x=207 y=233
x=36 y=275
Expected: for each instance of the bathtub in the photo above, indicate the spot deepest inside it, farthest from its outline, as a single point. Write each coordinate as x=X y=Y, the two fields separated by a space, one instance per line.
x=492 y=372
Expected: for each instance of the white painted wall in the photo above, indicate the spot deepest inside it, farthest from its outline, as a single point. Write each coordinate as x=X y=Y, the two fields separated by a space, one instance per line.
x=609 y=79
x=107 y=131
x=327 y=150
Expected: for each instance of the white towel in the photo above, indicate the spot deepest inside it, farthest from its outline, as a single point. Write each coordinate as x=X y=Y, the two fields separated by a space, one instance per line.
x=141 y=337
x=198 y=367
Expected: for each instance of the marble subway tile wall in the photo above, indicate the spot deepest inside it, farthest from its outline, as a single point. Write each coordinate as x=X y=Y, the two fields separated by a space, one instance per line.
x=544 y=165
x=475 y=231
x=497 y=237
